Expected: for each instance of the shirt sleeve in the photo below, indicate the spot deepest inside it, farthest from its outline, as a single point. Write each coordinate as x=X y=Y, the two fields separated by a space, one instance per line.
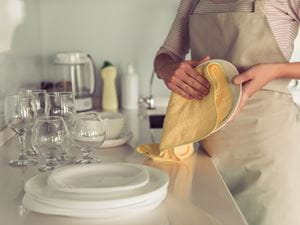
x=177 y=43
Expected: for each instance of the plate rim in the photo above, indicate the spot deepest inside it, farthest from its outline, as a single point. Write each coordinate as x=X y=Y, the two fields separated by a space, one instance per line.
x=93 y=213
x=110 y=143
x=53 y=184
x=163 y=183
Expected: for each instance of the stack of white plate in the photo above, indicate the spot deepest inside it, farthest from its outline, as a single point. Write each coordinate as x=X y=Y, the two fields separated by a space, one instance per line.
x=96 y=190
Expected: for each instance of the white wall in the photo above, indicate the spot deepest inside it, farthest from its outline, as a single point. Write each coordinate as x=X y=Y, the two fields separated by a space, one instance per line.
x=20 y=57
x=120 y=31
x=296 y=53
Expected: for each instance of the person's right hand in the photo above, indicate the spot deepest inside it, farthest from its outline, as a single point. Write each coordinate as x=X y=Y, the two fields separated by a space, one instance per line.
x=183 y=79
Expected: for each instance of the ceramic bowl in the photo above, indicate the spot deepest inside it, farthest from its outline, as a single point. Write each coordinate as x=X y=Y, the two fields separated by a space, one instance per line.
x=114 y=123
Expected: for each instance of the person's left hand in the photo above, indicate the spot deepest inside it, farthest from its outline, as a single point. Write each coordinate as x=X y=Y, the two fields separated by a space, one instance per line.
x=254 y=79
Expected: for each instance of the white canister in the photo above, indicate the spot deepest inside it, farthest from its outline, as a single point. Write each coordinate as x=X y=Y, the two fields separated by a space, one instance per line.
x=130 y=89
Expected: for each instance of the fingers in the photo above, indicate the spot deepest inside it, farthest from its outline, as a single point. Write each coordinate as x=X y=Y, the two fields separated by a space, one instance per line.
x=242 y=78
x=194 y=75
x=189 y=80
x=192 y=85
x=249 y=88
x=179 y=91
x=189 y=90
x=183 y=79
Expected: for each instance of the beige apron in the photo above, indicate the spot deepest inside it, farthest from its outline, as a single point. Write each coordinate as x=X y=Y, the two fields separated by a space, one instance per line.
x=258 y=153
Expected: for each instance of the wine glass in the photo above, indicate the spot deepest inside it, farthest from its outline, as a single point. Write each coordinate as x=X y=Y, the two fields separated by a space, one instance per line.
x=61 y=104
x=39 y=101
x=48 y=136
x=40 y=98
x=20 y=114
x=87 y=131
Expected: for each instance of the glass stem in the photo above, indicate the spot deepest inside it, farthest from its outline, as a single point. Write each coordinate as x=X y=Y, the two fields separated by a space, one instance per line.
x=86 y=153
x=22 y=155
x=51 y=162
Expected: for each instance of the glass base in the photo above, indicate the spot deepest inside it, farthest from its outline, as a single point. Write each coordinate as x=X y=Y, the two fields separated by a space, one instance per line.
x=87 y=161
x=23 y=163
x=31 y=152
x=87 y=158
x=46 y=168
x=66 y=159
x=51 y=164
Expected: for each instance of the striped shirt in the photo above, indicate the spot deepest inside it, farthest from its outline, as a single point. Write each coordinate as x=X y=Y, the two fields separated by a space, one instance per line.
x=283 y=17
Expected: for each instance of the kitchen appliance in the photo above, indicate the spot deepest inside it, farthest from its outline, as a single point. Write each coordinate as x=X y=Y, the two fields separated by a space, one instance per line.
x=77 y=71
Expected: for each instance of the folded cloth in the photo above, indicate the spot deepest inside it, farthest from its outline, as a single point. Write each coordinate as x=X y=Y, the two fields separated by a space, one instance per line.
x=223 y=93
x=168 y=155
x=189 y=121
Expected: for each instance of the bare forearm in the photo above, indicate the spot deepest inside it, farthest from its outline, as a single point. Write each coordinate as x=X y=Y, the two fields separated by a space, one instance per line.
x=289 y=70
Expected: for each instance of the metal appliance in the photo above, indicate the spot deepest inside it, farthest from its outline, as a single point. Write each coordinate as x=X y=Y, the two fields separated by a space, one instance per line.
x=77 y=70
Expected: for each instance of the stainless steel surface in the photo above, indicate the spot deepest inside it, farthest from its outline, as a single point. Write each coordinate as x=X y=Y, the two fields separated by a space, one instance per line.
x=196 y=191
x=148 y=102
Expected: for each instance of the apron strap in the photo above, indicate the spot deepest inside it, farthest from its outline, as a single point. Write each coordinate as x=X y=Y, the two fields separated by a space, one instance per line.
x=195 y=3
x=259 y=6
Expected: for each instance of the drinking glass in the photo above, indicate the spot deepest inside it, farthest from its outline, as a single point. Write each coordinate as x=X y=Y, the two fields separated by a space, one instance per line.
x=20 y=114
x=39 y=101
x=61 y=104
x=87 y=131
x=49 y=135
x=40 y=98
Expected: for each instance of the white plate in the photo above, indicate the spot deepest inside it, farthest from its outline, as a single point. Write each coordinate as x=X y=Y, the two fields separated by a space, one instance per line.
x=125 y=137
x=38 y=188
x=35 y=205
x=98 y=178
x=231 y=72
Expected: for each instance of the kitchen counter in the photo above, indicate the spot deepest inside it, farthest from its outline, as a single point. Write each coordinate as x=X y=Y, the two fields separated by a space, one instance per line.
x=197 y=194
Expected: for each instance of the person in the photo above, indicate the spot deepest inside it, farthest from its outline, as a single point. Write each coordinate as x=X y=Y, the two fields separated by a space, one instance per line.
x=257 y=153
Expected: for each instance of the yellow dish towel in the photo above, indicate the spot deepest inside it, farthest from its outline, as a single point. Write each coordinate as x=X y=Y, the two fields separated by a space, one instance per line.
x=189 y=121
x=168 y=155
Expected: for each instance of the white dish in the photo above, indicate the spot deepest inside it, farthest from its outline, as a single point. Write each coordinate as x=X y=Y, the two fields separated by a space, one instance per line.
x=35 y=205
x=98 y=178
x=231 y=72
x=114 y=123
x=37 y=187
x=124 y=137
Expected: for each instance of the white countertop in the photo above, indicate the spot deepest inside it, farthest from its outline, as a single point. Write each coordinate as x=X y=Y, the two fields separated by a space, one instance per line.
x=196 y=193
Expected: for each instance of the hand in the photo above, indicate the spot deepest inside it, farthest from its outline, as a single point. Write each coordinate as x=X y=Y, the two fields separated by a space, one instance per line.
x=254 y=79
x=183 y=79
